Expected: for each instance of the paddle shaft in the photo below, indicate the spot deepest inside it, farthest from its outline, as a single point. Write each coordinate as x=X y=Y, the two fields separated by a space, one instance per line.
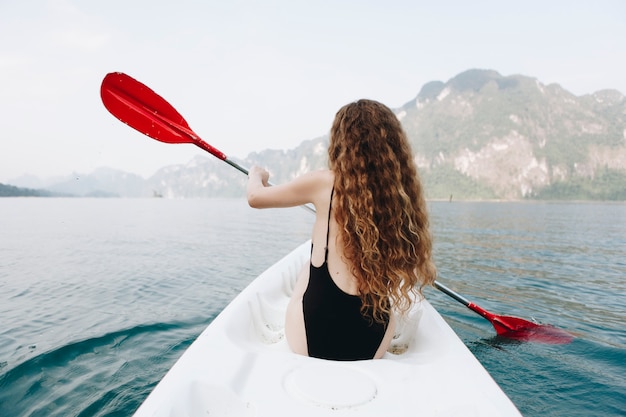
x=489 y=316
x=218 y=154
x=452 y=294
x=144 y=110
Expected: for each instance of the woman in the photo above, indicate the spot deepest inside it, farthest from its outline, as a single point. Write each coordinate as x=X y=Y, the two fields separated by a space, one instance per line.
x=371 y=247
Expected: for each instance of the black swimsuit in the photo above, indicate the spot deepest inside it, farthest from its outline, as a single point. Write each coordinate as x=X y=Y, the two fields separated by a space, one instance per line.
x=335 y=327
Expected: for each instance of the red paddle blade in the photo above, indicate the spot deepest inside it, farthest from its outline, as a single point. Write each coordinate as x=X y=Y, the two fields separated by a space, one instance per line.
x=144 y=110
x=524 y=330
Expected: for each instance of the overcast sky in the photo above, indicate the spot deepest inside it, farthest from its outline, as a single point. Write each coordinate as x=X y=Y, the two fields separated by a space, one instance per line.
x=250 y=75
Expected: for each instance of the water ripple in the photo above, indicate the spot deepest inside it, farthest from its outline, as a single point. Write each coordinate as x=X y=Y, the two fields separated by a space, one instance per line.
x=69 y=377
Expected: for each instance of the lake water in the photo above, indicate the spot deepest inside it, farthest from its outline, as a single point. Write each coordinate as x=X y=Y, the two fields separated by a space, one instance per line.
x=99 y=297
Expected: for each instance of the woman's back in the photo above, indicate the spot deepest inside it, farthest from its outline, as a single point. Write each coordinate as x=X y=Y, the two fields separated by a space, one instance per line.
x=371 y=245
x=335 y=325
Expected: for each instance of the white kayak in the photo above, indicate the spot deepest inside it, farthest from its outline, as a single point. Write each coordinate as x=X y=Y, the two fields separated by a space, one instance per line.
x=241 y=366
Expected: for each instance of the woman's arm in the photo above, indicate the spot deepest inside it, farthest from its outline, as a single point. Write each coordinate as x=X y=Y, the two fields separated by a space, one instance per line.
x=302 y=190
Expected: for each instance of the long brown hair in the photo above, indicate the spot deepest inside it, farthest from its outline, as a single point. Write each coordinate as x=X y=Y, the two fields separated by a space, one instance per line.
x=380 y=207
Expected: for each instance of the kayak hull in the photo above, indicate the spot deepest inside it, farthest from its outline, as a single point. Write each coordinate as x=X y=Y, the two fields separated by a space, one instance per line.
x=241 y=366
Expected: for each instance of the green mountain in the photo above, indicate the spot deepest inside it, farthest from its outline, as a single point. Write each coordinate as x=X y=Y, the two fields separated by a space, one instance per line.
x=483 y=135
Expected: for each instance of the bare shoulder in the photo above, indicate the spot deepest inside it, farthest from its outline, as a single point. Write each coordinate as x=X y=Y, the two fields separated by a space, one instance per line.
x=323 y=180
x=315 y=181
x=322 y=175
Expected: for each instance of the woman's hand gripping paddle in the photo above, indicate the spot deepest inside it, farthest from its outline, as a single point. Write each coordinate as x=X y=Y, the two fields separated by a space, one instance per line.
x=144 y=110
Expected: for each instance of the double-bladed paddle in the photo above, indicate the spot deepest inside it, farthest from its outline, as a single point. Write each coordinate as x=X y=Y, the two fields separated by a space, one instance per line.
x=144 y=110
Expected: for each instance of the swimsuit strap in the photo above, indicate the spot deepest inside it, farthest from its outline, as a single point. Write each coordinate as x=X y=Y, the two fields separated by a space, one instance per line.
x=328 y=225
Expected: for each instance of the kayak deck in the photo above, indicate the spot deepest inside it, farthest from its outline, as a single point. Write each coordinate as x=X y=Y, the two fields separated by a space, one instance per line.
x=241 y=366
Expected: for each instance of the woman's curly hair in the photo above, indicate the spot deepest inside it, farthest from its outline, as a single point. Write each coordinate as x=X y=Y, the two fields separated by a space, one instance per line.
x=380 y=208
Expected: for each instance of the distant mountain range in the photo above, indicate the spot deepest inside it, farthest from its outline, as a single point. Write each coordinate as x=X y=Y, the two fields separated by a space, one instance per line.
x=479 y=135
